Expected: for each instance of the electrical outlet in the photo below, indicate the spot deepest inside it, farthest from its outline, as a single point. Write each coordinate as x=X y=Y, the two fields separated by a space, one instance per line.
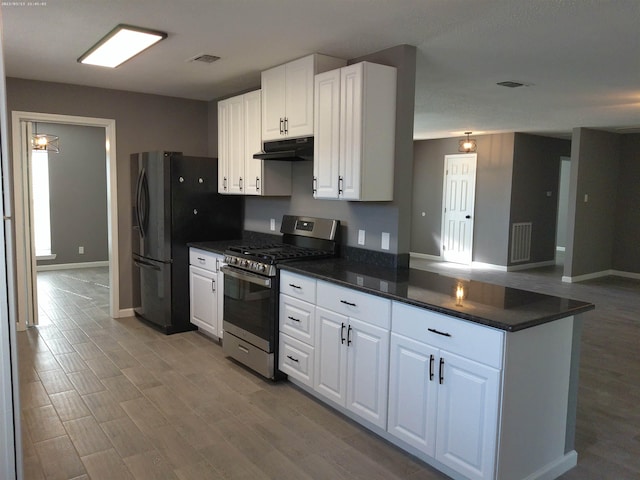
x=81 y=250
x=360 y=237
x=272 y=225
x=385 y=241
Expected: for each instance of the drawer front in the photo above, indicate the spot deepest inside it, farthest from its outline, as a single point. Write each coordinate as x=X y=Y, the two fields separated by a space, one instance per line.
x=476 y=342
x=204 y=259
x=352 y=303
x=296 y=359
x=297 y=318
x=298 y=286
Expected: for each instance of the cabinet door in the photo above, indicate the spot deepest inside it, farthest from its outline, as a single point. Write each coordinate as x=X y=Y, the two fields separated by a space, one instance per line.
x=367 y=371
x=235 y=148
x=223 y=146
x=203 y=286
x=326 y=147
x=299 y=97
x=330 y=351
x=468 y=401
x=413 y=393
x=351 y=98
x=252 y=143
x=273 y=102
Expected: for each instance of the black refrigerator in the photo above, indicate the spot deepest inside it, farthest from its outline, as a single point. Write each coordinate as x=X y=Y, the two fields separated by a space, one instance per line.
x=175 y=201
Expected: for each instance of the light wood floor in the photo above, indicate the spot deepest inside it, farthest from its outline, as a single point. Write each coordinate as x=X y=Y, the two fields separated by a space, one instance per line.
x=114 y=399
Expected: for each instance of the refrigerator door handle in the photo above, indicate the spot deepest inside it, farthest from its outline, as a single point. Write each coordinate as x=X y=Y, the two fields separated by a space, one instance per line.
x=141 y=264
x=139 y=218
x=144 y=200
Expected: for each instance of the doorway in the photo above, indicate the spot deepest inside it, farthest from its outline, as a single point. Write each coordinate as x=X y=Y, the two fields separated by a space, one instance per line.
x=458 y=203
x=26 y=294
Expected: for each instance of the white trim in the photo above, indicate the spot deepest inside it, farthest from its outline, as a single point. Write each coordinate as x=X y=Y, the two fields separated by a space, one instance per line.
x=70 y=266
x=125 y=312
x=556 y=468
x=112 y=195
x=425 y=256
x=603 y=273
x=489 y=266
x=46 y=257
x=526 y=266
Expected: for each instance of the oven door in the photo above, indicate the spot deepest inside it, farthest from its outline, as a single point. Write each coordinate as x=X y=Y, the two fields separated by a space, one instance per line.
x=250 y=307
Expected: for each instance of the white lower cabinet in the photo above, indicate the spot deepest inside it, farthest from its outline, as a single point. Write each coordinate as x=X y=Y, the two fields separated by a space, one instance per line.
x=352 y=354
x=441 y=403
x=206 y=283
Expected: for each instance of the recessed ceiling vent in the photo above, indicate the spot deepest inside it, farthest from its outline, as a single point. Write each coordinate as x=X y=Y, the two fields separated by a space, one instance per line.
x=512 y=84
x=204 y=58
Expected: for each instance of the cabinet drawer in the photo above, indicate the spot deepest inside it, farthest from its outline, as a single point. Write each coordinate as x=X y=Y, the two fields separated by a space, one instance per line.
x=296 y=359
x=352 y=303
x=298 y=286
x=470 y=340
x=204 y=259
x=297 y=318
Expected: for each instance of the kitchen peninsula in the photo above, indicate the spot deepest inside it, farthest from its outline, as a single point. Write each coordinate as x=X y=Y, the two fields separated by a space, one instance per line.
x=476 y=379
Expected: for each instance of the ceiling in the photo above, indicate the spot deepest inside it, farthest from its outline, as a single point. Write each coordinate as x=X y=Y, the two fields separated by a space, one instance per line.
x=580 y=59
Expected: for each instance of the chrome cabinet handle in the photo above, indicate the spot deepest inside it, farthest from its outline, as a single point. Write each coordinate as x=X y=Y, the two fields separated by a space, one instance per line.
x=224 y=183
x=314 y=185
x=213 y=285
x=340 y=180
x=240 y=183
x=286 y=125
x=257 y=184
x=349 y=341
x=342 y=333
x=441 y=372
x=431 y=359
x=281 y=126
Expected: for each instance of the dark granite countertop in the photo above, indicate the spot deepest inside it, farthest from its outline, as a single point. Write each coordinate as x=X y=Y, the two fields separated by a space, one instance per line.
x=496 y=306
x=215 y=246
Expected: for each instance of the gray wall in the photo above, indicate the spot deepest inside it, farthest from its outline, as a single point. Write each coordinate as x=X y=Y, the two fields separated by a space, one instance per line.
x=595 y=158
x=143 y=122
x=78 y=194
x=493 y=196
x=534 y=190
x=627 y=228
x=563 y=202
x=374 y=217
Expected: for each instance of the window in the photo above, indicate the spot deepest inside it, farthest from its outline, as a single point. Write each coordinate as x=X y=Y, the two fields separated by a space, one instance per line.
x=41 y=207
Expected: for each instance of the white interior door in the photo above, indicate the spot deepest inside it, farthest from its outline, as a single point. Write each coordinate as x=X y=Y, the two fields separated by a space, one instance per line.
x=458 y=207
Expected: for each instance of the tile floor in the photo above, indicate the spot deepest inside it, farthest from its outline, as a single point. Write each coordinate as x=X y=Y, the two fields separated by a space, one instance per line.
x=114 y=399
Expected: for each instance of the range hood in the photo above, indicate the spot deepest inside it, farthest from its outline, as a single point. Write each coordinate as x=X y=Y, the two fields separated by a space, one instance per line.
x=291 y=149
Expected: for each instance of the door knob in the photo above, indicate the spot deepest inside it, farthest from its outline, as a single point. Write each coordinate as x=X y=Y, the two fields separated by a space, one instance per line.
x=468 y=216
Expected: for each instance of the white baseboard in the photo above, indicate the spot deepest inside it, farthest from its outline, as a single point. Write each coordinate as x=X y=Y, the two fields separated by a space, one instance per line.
x=603 y=273
x=556 y=468
x=489 y=266
x=125 y=312
x=70 y=266
x=526 y=266
x=425 y=256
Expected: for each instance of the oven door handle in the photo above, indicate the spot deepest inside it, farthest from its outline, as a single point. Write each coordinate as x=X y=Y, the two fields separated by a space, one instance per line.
x=246 y=276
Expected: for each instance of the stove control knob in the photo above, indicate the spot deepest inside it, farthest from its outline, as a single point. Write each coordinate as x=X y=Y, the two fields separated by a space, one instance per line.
x=262 y=268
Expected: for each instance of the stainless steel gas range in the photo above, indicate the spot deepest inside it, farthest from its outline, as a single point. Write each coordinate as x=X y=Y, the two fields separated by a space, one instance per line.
x=251 y=288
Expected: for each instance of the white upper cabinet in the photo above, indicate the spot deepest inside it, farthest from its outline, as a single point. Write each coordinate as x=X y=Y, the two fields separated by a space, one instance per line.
x=287 y=96
x=239 y=137
x=354 y=130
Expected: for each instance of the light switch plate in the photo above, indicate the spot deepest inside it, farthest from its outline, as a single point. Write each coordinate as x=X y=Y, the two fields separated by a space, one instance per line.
x=385 y=241
x=360 y=237
x=272 y=225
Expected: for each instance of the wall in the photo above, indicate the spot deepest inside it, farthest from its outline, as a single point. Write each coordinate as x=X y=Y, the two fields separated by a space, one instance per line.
x=143 y=122
x=78 y=194
x=595 y=158
x=493 y=196
x=626 y=256
x=374 y=217
x=563 y=202
x=536 y=173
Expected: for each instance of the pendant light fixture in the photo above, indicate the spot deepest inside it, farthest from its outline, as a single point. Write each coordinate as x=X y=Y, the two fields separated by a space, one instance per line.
x=467 y=145
x=44 y=141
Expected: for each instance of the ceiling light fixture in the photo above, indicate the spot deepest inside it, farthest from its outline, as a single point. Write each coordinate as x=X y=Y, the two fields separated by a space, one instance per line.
x=121 y=44
x=467 y=145
x=44 y=141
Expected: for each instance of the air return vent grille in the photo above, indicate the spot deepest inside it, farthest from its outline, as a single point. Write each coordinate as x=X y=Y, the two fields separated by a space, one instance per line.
x=521 y=242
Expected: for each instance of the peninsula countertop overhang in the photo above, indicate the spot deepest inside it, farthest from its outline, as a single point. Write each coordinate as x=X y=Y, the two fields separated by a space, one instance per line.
x=501 y=307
